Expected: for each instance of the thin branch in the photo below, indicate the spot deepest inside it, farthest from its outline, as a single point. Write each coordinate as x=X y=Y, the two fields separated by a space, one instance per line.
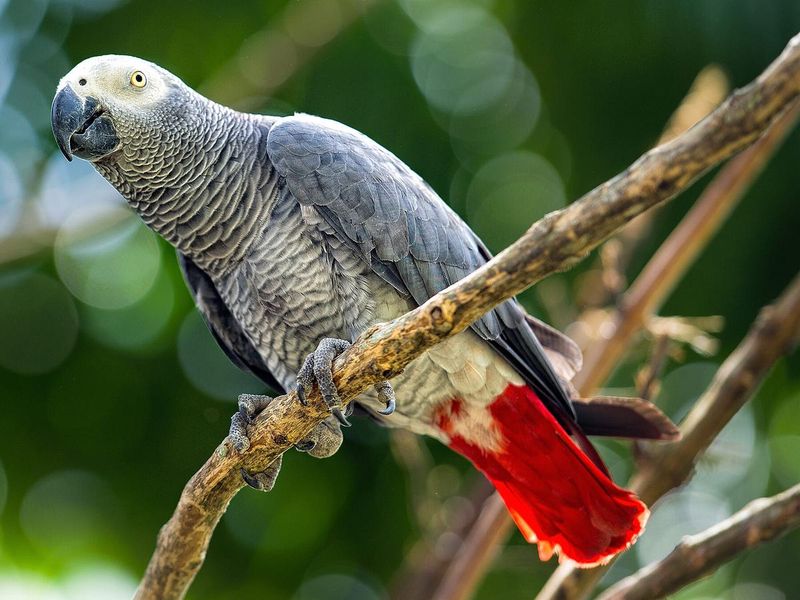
x=698 y=555
x=646 y=295
x=666 y=467
x=555 y=243
x=708 y=90
x=773 y=334
x=647 y=380
x=679 y=251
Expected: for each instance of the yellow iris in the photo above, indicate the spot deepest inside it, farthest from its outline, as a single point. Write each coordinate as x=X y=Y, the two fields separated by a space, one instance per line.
x=138 y=79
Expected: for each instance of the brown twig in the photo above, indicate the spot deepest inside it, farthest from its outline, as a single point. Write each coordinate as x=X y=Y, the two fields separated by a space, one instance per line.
x=679 y=251
x=668 y=466
x=647 y=378
x=698 y=555
x=647 y=293
x=554 y=243
x=708 y=89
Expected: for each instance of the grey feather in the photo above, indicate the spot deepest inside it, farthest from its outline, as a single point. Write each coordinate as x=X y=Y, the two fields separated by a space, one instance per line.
x=410 y=237
x=223 y=326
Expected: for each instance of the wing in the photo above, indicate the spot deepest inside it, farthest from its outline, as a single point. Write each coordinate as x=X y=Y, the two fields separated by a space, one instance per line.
x=223 y=325
x=410 y=237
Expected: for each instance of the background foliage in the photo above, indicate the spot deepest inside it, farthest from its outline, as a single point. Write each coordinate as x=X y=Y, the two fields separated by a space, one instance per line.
x=113 y=393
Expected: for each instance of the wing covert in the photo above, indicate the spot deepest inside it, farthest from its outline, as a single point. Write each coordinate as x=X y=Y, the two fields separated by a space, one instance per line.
x=399 y=225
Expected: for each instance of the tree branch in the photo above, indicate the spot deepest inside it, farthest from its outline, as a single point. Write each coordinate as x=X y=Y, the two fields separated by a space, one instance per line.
x=679 y=251
x=698 y=555
x=644 y=297
x=554 y=243
x=665 y=467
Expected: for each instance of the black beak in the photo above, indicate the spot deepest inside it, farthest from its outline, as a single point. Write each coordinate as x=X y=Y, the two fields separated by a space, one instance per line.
x=81 y=127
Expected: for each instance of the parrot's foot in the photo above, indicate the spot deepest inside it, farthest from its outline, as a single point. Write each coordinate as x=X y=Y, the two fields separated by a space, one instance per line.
x=317 y=367
x=323 y=441
x=250 y=406
x=264 y=481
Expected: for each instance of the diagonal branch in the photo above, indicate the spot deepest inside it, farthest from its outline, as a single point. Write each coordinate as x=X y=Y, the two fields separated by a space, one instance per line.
x=639 y=303
x=554 y=243
x=774 y=333
x=698 y=555
x=679 y=250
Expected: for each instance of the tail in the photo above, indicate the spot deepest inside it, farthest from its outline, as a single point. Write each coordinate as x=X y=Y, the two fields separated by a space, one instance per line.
x=557 y=496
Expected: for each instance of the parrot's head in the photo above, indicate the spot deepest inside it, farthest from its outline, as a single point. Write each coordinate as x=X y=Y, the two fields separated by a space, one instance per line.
x=111 y=103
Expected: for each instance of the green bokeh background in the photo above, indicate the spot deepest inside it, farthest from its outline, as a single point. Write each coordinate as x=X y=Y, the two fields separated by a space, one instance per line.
x=113 y=392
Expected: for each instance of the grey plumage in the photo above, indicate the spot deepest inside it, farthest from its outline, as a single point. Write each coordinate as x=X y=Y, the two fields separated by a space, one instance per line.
x=386 y=213
x=293 y=229
x=295 y=235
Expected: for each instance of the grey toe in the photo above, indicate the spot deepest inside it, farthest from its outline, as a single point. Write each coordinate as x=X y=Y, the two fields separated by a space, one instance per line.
x=263 y=481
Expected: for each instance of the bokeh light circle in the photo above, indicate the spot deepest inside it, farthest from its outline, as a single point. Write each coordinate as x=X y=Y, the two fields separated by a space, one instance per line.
x=206 y=365
x=11 y=196
x=464 y=62
x=509 y=193
x=337 y=586
x=138 y=326
x=680 y=513
x=113 y=268
x=68 y=512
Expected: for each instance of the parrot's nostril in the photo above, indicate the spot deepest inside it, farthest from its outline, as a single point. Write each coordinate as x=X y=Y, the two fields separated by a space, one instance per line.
x=81 y=81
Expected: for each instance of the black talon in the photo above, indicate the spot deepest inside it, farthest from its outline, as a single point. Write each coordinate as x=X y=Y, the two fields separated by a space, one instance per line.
x=340 y=417
x=390 y=406
x=386 y=394
x=250 y=480
x=301 y=394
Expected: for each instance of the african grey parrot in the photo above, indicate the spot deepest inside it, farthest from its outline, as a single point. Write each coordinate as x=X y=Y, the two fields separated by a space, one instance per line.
x=295 y=234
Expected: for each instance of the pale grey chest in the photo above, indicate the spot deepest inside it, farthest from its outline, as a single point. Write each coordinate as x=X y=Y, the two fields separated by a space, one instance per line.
x=297 y=285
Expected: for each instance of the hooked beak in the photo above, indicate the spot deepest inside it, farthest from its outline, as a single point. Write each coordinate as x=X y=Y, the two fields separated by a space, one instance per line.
x=81 y=126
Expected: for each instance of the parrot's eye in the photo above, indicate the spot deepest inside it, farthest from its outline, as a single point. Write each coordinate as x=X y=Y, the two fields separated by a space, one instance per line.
x=138 y=79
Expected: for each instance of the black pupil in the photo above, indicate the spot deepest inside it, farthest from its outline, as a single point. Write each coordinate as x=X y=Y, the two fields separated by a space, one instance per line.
x=81 y=81
x=138 y=78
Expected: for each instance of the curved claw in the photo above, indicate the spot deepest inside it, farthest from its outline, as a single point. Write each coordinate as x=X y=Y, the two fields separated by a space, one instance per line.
x=390 y=406
x=250 y=480
x=386 y=395
x=340 y=417
x=265 y=480
x=305 y=445
x=301 y=394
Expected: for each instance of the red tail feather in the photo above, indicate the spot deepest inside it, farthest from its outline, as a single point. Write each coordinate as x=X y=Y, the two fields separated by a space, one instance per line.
x=557 y=496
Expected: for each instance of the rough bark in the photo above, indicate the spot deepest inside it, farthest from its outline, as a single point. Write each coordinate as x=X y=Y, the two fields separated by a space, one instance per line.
x=774 y=333
x=699 y=555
